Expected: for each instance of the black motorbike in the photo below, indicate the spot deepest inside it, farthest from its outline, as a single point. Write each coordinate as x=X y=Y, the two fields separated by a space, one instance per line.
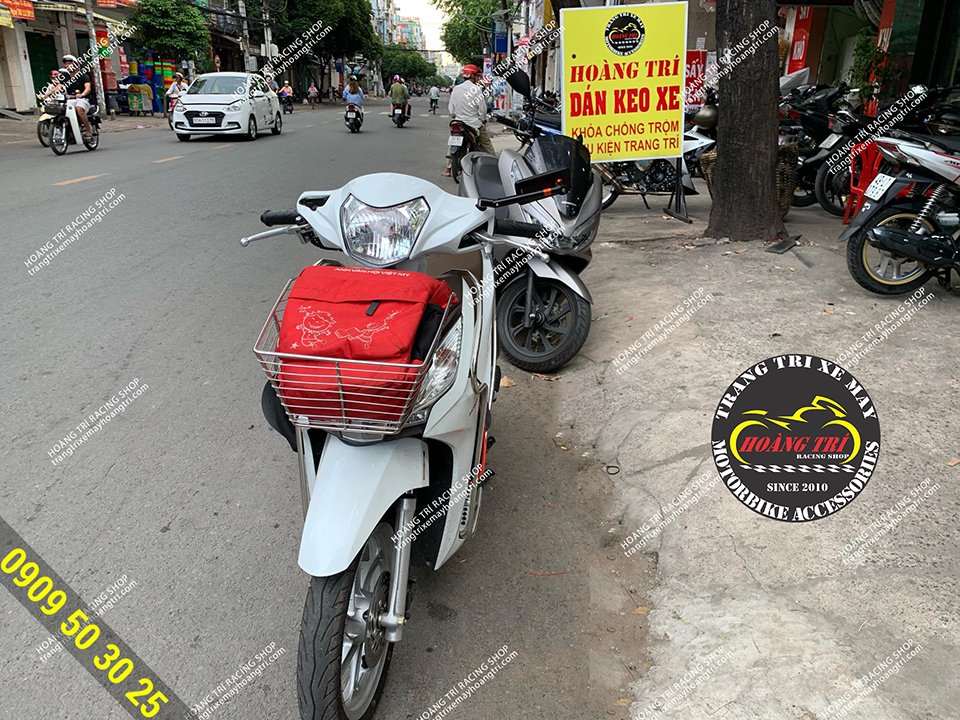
x=287 y=101
x=907 y=230
x=353 y=117
x=434 y=102
x=463 y=139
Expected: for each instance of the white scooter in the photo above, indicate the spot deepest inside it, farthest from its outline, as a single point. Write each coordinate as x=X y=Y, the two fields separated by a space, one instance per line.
x=65 y=129
x=363 y=480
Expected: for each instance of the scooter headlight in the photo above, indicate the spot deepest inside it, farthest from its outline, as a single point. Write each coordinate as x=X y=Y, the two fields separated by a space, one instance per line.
x=442 y=372
x=382 y=236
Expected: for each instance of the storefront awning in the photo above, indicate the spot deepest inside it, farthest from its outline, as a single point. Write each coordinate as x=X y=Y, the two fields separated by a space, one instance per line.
x=6 y=19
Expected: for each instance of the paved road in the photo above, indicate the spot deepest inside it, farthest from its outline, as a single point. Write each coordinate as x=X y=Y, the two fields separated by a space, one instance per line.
x=194 y=499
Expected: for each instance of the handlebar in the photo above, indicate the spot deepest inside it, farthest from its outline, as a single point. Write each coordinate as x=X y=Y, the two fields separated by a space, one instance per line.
x=517 y=228
x=271 y=218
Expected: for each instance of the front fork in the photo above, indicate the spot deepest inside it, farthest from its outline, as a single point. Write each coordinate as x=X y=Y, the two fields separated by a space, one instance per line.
x=396 y=615
x=528 y=315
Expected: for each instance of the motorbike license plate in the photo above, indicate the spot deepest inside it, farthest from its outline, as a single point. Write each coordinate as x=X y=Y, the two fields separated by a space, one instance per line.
x=397 y=111
x=830 y=141
x=204 y=121
x=456 y=140
x=351 y=114
x=881 y=183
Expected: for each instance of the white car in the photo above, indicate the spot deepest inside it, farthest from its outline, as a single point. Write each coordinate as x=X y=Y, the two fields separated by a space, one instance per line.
x=227 y=103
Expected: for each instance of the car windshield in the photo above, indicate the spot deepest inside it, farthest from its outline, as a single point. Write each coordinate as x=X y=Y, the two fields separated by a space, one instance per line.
x=217 y=85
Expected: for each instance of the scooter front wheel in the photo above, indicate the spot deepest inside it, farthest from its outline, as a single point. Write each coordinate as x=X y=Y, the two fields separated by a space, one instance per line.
x=557 y=330
x=58 y=139
x=43 y=133
x=344 y=656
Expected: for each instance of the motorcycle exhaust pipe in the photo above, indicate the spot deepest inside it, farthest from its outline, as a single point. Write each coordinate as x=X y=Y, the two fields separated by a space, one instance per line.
x=937 y=251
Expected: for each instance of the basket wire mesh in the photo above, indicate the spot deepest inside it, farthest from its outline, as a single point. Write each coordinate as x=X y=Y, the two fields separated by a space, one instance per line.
x=339 y=394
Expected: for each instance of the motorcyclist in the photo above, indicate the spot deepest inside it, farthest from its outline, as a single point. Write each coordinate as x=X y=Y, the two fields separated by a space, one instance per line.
x=353 y=93
x=468 y=104
x=434 y=95
x=177 y=88
x=80 y=93
x=286 y=95
x=399 y=95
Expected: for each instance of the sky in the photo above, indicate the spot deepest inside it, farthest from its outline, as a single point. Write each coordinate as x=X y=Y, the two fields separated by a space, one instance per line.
x=431 y=19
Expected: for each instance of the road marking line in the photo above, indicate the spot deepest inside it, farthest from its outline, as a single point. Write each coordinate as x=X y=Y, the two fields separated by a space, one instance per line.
x=79 y=179
x=218 y=147
x=175 y=157
x=310 y=125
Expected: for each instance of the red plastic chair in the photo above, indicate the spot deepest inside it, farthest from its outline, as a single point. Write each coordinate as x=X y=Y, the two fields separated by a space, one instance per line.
x=865 y=160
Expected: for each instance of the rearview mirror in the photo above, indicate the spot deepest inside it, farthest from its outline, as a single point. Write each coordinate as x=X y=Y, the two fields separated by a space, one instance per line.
x=544 y=181
x=518 y=80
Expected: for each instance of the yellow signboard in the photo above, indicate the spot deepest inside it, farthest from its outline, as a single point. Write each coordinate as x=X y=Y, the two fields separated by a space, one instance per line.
x=623 y=79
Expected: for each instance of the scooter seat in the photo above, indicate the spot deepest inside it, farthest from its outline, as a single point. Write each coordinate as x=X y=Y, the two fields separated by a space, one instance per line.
x=950 y=143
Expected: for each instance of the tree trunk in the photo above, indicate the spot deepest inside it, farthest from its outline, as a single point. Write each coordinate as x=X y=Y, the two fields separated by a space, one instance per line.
x=745 y=204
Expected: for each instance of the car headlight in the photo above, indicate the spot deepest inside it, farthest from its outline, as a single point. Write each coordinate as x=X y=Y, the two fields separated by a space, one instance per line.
x=179 y=108
x=382 y=236
x=442 y=371
x=234 y=106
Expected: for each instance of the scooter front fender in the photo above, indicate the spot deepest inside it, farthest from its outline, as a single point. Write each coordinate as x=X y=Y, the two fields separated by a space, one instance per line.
x=556 y=271
x=355 y=486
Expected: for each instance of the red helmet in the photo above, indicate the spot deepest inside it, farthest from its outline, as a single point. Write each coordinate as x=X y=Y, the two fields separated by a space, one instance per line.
x=470 y=70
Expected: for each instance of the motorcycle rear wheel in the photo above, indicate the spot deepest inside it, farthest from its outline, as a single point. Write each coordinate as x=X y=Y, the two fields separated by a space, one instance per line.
x=343 y=656
x=879 y=271
x=549 y=344
x=94 y=142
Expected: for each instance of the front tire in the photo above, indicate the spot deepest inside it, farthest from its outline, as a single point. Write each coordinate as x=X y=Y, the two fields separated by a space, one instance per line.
x=831 y=190
x=43 y=133
x=183 y=138
x=277 y=125
x=58 y=139
x=558 y=332
x=251 y=130
x=879 y=271
x=344 y=657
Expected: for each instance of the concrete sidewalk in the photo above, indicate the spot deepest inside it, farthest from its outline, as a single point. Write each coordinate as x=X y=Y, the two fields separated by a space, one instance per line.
x=749 y=617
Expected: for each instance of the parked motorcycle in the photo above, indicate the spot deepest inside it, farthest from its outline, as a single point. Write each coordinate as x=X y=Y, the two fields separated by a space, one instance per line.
x=398 y=113
x=378 y=440
x=641 y=177
x=353 y=117
x=65 y=128
x=463 y=139
x=907 y=229
x=544 y=310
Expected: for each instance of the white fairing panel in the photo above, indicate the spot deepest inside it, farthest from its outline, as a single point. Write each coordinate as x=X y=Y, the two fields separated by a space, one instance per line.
x=355 y=486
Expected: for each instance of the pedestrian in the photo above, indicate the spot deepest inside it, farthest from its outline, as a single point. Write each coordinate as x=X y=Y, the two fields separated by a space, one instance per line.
x=313 y=96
